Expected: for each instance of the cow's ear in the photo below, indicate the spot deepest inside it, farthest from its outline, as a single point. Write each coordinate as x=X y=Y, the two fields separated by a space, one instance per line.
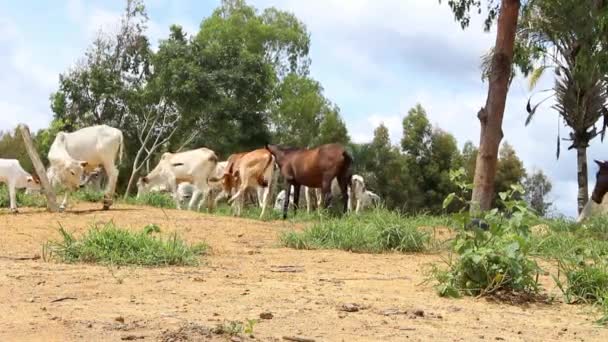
x=84 y=163
x=30 y=179
x=145 y=180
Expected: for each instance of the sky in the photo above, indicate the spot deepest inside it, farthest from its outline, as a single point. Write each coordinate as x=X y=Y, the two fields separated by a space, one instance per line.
x=375 y=59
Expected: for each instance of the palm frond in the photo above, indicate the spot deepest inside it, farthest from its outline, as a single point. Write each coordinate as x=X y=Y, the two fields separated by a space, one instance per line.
x=536 y=75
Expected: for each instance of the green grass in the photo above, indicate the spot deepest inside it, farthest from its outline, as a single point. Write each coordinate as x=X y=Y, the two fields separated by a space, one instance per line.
x=586 y=281
x=370 y=232
x=23 y=200
x=115 y=246
x=565 y=238
x=88 y=195
x=153 y=199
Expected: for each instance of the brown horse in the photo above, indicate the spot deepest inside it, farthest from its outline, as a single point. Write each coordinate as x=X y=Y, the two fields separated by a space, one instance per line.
x=314 y=168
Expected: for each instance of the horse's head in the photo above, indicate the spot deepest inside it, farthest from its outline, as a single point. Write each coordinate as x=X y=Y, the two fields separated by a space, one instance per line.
x=601 y=182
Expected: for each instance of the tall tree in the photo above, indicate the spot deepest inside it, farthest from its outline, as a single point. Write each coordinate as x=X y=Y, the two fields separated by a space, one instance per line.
x=570 y=37
x=491 y=115
x=297 y=110
x=511 y=170
x=538 y=186
x=332 y=128
x=417 y=132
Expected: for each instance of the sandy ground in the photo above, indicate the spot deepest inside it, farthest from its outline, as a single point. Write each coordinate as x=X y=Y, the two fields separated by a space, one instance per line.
x=242 y=277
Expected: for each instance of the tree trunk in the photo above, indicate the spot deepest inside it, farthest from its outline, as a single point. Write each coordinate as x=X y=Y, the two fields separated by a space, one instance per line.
x=47 y=190
x=491 y=115
x=583 y=191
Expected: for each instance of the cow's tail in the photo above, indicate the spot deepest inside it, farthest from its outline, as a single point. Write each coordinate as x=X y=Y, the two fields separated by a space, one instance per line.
x=261 y=179
x=121 y=149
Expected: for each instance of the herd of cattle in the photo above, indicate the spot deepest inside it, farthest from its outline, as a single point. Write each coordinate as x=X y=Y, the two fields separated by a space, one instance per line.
x=78 y=158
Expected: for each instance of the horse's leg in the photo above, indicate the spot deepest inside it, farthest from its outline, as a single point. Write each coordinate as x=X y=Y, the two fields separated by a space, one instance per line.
x=326 y=190
x=296 y=198
x=343 y=182
x=286 y=202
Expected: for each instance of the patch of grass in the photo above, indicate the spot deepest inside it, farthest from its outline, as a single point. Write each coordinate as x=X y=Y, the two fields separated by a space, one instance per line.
x=23 y=200
x=566 y=239
x=115 y=246
x=370 y=232
x=586 y=281
x=254 y=211
x=153 y=199
x=88 y=195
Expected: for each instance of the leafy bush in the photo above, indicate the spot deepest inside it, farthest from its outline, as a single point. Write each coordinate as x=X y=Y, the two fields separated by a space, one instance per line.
x=112 y=245
x=23 y=200
x=372 y=232
x=490 y=260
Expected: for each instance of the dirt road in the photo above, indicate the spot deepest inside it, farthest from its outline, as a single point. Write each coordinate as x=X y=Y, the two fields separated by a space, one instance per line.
x=246 y=274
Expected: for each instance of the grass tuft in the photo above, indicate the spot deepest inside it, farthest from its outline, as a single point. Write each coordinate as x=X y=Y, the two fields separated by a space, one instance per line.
x=153 y=199
x=371 y=232
x=115 y=246
x=23 y=200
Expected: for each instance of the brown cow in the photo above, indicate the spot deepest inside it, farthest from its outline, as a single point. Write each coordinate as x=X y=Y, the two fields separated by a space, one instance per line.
x=314 y=168
x=249 y=170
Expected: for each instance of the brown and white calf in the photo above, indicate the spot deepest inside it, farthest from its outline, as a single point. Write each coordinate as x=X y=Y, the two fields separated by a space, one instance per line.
x=195 y=167
x=250 y=170
x=80 y=152
x=15 y=178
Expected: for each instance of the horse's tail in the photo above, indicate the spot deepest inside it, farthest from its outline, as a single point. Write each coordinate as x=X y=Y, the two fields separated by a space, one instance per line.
x=347 y=171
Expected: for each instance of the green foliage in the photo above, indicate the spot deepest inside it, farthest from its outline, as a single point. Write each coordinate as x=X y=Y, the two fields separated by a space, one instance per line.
x=115 y=246
x=332 y=128
x=12 y=147
x=23 y=199
x=462 y=9
x=372 y=232
x=494 y=260
x=510 y=171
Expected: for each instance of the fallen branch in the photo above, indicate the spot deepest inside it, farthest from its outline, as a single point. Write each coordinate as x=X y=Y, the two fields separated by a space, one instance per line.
x=371 y=278
x=63 y=298
x=286 y=269
x=35 y=257
x=298 y=339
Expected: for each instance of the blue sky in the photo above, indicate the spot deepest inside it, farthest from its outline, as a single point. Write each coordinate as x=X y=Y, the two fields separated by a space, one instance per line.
x=375 y=59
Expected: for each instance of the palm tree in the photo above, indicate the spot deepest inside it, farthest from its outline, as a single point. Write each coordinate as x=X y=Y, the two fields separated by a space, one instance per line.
x=566 y=36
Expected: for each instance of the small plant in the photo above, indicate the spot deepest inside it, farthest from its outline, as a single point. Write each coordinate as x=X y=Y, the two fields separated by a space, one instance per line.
x=250 y=325
x=115 y=246
x=372 y=232
x=151 y=228
x=492 y=260
x=232 y=328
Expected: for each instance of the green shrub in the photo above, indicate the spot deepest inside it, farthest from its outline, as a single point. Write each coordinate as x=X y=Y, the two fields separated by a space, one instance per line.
x=23 y=200
x=371 y=232
x=112 y=245
x=490 y=260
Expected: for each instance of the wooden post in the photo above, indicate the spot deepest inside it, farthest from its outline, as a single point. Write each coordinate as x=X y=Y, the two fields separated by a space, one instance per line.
x=47 y=190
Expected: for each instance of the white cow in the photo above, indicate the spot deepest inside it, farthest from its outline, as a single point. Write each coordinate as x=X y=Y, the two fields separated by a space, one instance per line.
x=193 y=166
x=16 y=177
x=73 y=154
x=280 y=200
x=356 y=190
